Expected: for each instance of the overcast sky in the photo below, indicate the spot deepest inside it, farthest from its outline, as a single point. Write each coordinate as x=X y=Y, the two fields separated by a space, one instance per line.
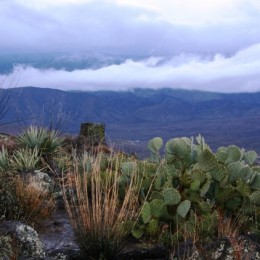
x=204 y=44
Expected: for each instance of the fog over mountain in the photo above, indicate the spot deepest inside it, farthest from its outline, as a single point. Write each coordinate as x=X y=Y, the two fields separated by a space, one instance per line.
x=120 y=44
x=86 y=71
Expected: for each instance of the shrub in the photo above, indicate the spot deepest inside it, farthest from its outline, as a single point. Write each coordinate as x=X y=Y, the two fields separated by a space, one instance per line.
x=26 y=200
x=9 y=207
x=36 y=204
x=100 y=220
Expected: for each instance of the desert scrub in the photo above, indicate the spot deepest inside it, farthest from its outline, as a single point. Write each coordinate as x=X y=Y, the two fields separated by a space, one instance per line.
x=101 y=221
x=24 y=199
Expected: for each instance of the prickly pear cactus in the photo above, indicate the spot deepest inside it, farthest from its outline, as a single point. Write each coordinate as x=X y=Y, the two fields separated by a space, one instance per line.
x=189 y=184
x=154 y=146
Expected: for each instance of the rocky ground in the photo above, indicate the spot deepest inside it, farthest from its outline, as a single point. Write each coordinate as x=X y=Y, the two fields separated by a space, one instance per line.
x=58 y=238
x=59 y=243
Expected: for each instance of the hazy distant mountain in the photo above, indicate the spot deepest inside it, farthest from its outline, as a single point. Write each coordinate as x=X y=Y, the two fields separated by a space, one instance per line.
x=64 y=61
x=141 y=114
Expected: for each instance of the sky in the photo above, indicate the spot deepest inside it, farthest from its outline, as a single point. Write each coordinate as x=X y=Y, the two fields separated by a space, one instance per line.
x=211 y=45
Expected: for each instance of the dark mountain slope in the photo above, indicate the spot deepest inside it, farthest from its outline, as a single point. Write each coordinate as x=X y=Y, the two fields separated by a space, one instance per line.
x=141 y=114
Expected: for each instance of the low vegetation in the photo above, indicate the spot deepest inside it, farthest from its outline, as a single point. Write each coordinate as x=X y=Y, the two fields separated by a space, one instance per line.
x=184 y=192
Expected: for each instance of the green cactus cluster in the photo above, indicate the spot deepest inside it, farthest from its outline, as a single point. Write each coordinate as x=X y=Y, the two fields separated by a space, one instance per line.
x=183 y=189
x=191 y=181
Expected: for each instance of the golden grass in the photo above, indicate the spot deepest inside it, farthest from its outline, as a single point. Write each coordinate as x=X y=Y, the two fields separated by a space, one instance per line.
x=101 y=221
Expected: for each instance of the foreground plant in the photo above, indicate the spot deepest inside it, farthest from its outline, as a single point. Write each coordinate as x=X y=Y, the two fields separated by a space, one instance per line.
x=194 y=188
x=47 y=143
x=101 y=221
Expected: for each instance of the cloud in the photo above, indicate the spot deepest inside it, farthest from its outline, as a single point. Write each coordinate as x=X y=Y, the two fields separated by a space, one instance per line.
x=211 y=45
x=237 y=73
x=129 y=27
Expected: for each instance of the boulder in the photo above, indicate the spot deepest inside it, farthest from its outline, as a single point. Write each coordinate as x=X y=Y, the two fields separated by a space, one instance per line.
x=25 y=239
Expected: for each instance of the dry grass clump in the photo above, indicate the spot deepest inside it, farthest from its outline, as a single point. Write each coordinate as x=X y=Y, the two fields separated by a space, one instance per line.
x=36 y=204
x=101 y=221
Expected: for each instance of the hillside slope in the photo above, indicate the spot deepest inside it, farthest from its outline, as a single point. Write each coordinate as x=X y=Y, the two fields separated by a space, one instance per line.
x=141 y=114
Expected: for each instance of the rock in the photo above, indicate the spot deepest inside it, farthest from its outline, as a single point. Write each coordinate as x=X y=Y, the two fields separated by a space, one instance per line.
x=43 y=180
x=230 y=248
x=25 y=238
x=58 y=238
x=39 y=180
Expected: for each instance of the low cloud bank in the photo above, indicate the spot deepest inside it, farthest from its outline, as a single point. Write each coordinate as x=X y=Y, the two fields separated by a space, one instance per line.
x=237 y=73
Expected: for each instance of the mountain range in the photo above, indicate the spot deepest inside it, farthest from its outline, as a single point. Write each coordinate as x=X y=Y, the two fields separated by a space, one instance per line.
x=135 y=116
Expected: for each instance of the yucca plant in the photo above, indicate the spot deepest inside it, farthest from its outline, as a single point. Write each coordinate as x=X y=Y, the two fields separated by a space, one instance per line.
x=101 y=221
x=26 y=159
x=47 y=142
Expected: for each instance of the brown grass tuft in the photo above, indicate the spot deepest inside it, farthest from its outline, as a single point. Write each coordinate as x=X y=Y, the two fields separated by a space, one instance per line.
x=35 y=203
x=101 y=221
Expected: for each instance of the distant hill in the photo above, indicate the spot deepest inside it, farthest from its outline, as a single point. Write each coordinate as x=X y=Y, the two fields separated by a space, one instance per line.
x=141 y=114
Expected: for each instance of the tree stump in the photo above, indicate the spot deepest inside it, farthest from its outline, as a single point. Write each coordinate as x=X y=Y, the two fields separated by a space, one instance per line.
x=94 y=133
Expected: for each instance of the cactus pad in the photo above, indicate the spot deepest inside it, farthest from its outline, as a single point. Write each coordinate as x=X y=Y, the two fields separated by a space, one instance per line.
x=146 y=212
x=256 y=182
x=255 y=198
x=155 y=144
x=153 y=227
x=171 y=196
x=183 y=208
x=250 y=157
x=234 y=154
x=157 y=208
